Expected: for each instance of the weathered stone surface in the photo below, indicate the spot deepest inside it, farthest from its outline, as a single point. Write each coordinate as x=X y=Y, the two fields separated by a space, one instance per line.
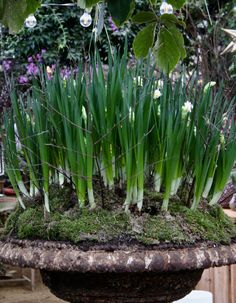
x=145 y=287
x=132 y=275
x=52 y=256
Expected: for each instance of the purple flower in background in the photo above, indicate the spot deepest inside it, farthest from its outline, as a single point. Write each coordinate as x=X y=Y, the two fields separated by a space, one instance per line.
x=65 y=73
x=43 y=51
x=39 y=58
x=23 y=79
x=32 y=69
x=113 y=27
x=30 y=59
x=6 y=64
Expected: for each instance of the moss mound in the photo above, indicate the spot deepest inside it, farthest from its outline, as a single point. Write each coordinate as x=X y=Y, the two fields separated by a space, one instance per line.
x=66 y=222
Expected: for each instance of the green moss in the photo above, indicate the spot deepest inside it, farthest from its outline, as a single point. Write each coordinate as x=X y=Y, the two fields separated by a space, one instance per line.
x=30 y=224
x=67 y=222
x=208 y=224
x=11 y=223
x=163 y=229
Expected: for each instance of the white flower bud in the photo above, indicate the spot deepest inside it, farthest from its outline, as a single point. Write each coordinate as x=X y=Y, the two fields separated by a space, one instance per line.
x=157 y=94
x=187 y=107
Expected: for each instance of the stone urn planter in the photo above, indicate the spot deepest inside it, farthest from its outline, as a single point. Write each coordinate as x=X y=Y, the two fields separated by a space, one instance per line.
x=123 y=275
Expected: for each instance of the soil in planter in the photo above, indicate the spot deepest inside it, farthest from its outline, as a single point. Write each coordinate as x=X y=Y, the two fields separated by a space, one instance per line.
x=108 y=227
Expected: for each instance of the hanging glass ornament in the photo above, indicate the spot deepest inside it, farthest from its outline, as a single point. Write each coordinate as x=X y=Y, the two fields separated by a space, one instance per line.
x=169 y=9
x=86 y=19
x=166 y=8
x=30 y=21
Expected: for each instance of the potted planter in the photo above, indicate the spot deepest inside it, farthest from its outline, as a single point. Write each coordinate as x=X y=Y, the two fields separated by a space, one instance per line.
x=139 y=167
x=116 y=276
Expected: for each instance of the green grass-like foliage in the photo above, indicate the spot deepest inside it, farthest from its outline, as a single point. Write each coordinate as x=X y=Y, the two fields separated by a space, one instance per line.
x=124 y=130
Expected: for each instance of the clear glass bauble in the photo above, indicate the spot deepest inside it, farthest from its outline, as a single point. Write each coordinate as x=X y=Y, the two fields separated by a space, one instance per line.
x=166 y=8
x=30 y=21
x=86 y=19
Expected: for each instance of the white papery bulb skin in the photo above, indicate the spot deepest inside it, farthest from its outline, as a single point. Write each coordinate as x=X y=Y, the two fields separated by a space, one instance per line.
x=30 y=21
x=166 y=8
x=86 y=19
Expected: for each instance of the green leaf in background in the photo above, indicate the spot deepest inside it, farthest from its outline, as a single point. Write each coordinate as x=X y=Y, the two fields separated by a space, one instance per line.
x=169 y=48
x=120 y=10
x=154 y=2
x=81 y=3
x=179 y=40
x=144 y=17
x=90 y=3
x=13 y=13
x=144 y=41
x=177 y=3
x=170 y=19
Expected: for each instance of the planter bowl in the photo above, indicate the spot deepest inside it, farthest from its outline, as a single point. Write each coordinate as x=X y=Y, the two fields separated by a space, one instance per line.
x=123 y=276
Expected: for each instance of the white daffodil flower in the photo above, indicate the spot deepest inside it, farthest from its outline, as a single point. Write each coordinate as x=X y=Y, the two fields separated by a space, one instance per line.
x=157 y=94
x=187 y=107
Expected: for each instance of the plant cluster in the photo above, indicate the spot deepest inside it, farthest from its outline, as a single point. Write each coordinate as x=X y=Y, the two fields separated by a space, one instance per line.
x=124 y=128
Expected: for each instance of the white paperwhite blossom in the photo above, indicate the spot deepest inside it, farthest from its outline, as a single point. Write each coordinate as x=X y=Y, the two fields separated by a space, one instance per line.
x=157 y=94
x=187 y=107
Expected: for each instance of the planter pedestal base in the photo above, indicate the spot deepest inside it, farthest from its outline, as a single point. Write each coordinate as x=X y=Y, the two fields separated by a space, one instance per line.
x=121 y=287
x=131 y=275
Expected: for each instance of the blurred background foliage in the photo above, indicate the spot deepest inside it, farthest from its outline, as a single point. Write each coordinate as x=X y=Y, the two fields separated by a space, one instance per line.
x=205 y=39
x=59 y=39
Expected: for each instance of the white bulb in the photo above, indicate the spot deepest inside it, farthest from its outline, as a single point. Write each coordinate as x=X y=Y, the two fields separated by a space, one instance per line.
x=30 y=21
x=86 y=19
x=166 y=8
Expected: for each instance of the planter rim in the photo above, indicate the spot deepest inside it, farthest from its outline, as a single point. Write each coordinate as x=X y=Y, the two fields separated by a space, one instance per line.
x=56 y=256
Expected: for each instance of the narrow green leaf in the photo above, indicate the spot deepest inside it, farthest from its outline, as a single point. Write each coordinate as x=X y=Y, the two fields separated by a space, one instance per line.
x=120 y=10
x=144 y=17
x=144 y=41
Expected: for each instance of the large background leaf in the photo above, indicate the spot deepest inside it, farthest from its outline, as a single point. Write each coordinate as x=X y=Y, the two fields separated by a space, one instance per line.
x=120 y=10
x=13 y=13
x=169 y=48
x=144 y=41
x=170 y=19
x=144 y=17
x=177 y=3
x=90 y=3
